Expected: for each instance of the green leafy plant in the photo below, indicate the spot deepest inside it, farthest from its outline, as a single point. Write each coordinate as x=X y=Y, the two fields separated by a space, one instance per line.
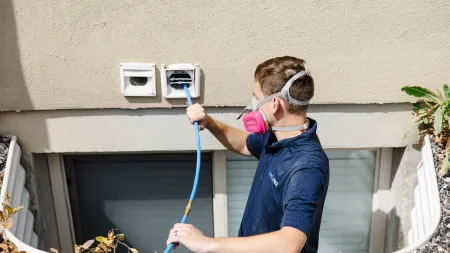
x=433 y=111
x=437 y=106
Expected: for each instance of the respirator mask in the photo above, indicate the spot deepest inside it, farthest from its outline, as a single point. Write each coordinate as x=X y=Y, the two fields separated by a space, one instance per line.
x=256 y=122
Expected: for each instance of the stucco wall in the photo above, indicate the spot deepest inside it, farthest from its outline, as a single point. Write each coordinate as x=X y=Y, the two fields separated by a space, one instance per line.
x=66 y=54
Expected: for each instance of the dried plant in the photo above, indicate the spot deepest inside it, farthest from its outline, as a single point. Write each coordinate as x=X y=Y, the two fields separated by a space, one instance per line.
x=6 y=222
x=104 y=244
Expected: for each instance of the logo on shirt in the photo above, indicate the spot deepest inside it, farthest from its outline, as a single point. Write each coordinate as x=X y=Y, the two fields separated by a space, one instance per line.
x=272 y=178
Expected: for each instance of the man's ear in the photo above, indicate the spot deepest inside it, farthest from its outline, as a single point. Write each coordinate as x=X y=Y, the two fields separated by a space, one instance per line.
x=276 y=105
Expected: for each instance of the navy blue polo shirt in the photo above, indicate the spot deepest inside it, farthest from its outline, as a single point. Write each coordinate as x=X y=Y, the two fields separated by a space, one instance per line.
x=289 y=187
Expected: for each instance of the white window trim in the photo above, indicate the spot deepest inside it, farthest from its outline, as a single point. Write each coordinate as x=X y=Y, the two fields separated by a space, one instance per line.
x=220 y=210
x=64 y=220
x=380 y=202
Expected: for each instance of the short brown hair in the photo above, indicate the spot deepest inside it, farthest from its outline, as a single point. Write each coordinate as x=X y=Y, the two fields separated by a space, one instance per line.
x=273 y=74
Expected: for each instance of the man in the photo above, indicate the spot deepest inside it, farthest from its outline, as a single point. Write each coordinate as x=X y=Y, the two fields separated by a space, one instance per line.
x=285 y=203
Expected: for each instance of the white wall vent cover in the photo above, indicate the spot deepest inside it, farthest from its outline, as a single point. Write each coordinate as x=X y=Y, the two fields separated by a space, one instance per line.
x=138 y=79
x=190 y=71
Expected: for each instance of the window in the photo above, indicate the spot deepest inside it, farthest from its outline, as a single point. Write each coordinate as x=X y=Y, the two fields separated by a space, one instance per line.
x=142 y=195
x=347 y=214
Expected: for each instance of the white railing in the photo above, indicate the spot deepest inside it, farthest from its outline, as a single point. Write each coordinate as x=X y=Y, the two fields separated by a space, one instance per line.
x=22 y=233
x=426 y=212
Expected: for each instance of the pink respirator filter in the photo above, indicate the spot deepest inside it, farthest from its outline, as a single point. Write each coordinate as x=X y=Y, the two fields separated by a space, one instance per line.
x=254 y=122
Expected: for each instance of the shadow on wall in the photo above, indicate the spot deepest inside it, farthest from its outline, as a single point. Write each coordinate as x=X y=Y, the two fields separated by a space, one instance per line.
x=14 y=96
x=393 y=235
x=14 y=93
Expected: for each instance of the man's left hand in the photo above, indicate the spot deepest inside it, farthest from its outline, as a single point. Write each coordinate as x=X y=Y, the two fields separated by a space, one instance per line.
x=190 y=237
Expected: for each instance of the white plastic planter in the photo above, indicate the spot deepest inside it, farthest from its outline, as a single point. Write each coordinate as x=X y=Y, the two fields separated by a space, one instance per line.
x=22 y=233
x=426 y=212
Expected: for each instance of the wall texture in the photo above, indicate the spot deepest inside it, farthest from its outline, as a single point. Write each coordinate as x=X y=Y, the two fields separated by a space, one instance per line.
x=66 y=54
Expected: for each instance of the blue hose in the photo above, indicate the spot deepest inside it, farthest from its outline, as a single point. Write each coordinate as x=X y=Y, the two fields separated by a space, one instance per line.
x=197 y=170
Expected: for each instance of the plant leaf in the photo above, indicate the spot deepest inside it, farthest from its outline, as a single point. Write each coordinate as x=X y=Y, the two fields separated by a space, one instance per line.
x=110 y=233
x=109 y=242
x=445 y=166
x=440 y=95
x=7 y=199
x=416 y=107
x=134 y=250
x=104 y=247
x=121 y=237
x=87 y=244
x=438 y=120
x=4 y=246
x=430 y=105
x=17 y=209
x=9 y=210
x=100 y=239
x=425 y=120
x=420 y=92
x=9 y=223
x=98 y=249
x=446 y=91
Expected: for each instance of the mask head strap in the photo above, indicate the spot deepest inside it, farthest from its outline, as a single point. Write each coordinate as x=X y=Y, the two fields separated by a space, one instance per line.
x=249 y=108
x=283 y=93
x=285 y=90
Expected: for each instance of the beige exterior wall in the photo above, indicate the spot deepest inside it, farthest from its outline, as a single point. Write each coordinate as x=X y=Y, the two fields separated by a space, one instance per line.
x=66 y=54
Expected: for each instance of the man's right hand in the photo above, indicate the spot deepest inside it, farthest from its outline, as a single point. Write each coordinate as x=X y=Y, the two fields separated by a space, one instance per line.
x=196 y=112
x=232 y=138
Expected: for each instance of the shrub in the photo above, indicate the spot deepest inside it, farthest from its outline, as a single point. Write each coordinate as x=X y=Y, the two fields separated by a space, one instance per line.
x=433 y=112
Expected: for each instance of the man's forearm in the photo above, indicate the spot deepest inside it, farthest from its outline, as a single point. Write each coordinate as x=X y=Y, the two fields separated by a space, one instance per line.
x=279 y=241
x=232 y=138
